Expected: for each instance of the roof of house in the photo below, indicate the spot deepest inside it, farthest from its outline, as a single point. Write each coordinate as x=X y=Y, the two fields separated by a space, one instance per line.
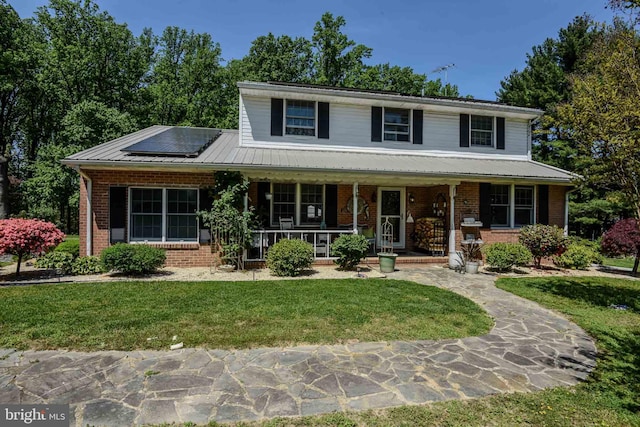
x=374 y=96
x=225 y=152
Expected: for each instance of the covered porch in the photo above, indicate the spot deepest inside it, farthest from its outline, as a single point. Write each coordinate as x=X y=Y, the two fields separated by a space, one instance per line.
x=318 y=208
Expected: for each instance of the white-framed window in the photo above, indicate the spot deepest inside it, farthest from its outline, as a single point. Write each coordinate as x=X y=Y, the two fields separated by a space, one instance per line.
x=302 y=202
x=311 y=204
x=524 y=205
x=300 y=117
x=283 y=201
x=482 y=131
x=500 y=206
x=512 y=205
x=397 y=124
x=163 y=214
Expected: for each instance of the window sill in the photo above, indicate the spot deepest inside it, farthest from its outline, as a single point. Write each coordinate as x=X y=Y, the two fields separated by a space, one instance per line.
x=505 y=229
x=171 y=245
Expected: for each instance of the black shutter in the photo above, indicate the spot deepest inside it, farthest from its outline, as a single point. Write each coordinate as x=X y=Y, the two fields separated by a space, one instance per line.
x=206 y=199
x=543 y=204
x=464 y=130
x=277 y=105
x=500 y=133
x=485 y=204
x=264 y=206
x=117 y=214
x=417 y=126
x=331 y=205
x=376 y=124
x=323 y=120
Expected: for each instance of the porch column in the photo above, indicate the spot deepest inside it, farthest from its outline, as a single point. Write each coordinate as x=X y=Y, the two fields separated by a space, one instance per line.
x=355 y=208
x=453 y=257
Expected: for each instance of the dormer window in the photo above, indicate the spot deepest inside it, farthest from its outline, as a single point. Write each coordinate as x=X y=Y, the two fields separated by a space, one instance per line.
x=481 y=131
x=396 y=124
x=301 y=118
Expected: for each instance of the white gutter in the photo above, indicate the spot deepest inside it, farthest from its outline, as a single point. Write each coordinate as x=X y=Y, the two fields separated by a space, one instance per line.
x=89 y=212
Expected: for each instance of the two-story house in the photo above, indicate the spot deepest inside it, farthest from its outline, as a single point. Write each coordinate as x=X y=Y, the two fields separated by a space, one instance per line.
x=322 y=161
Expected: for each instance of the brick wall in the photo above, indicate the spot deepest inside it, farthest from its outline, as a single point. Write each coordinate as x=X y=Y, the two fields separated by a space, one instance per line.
x=178 y=254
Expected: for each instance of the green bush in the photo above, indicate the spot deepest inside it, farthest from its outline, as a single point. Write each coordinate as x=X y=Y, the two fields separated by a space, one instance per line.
x=62 y=261
x=350 y=250
x=71 y=246
x=503 y=256
x=134 y=259
x=578 y=257
x=289 y=257
x=87 y=265
x=543 y=241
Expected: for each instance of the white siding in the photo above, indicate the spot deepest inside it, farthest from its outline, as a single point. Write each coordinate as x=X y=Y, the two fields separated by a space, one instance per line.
x=350 y=126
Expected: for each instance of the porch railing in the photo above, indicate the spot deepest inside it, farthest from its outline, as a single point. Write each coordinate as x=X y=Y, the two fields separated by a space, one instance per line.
x=321 y=241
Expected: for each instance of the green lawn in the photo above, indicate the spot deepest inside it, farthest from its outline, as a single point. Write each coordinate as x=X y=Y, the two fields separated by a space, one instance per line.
x=123 y=315
x=611 y=397
x=619 y=262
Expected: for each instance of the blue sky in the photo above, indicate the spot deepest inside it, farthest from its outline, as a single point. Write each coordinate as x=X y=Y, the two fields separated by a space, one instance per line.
x=484 y=39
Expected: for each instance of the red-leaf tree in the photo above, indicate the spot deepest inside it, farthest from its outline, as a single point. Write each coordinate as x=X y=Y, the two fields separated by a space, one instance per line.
x=623 y=239
x=27 y=236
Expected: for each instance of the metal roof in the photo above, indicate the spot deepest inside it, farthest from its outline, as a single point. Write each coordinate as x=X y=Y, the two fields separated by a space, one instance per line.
x=226 y=153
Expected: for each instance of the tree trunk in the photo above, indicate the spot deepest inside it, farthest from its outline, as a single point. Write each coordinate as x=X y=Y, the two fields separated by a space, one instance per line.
x=635 y=264
x=4 y=187
x=19 y=262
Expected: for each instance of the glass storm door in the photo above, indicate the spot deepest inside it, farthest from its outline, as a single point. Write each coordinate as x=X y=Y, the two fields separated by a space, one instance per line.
x=391 y=206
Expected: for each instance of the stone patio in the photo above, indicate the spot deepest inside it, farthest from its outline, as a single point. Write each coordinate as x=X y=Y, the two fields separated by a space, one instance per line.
x=529 y=348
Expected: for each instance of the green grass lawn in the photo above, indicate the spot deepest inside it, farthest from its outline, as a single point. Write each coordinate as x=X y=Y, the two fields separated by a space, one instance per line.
x=619 y=262
x=611 y=397
x=122 y=315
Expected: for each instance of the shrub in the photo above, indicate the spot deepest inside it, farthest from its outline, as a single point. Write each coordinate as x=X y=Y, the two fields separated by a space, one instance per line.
x=134 y=259
x=62 y=261
x=577 y=257
x=70 y=246
x=350 y=250
x=27 y=236
x=289 y=257
x=623 y=238
x=87 y=265
x=503 y=256
x=543 y=241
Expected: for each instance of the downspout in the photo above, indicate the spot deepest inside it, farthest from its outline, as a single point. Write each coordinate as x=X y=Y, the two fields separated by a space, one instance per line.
x=89 y=211
x=566 y=210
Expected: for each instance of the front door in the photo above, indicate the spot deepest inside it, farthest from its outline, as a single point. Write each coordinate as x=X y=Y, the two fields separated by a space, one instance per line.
x=391 y=203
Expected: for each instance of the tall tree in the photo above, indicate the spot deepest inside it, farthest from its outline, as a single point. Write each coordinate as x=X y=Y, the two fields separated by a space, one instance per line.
x=403 y=80
x=337 y=59
x=186 y=79
x=18 y=61
x=603 y=114
x=281 y=59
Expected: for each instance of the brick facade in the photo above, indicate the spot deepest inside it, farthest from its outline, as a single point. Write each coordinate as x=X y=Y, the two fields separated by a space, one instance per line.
x=194 y=254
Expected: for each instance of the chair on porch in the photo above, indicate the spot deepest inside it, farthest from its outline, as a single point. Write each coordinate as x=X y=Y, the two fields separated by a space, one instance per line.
x=286 y=223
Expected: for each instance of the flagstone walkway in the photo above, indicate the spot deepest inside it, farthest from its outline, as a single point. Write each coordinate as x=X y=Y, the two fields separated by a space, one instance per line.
x=529 y=348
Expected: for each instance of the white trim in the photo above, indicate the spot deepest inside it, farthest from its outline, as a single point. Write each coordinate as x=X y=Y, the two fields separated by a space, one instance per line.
x=90 y=217
x=284 y=119
x=370 y=98
x=164 y=238
x=410 y=133
x=240 y=121
x=387 y=150
x=401 y=241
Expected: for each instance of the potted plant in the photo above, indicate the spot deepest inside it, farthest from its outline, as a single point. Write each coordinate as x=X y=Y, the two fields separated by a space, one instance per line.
x=386 y=257
x=472 y=255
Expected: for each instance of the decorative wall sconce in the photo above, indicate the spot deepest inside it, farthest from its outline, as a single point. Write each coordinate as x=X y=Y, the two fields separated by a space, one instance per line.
x=268 y=195
x=412 y=199
x=409 y=218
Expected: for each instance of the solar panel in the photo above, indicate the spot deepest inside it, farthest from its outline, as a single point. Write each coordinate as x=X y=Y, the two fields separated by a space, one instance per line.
x=176 y=141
